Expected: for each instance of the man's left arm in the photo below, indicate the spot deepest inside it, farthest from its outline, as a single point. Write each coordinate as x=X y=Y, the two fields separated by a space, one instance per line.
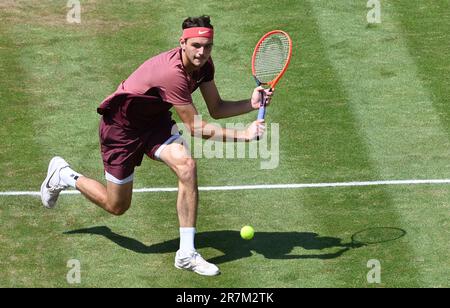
x=220 y=109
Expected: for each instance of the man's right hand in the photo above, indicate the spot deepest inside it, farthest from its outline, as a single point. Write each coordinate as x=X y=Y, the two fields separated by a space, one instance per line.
x=256 y=130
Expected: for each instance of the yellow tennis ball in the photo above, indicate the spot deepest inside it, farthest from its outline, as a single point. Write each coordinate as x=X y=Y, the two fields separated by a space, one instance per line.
x=247 y=232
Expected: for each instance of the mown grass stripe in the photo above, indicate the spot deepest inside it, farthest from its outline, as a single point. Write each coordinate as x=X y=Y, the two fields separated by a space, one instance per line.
x=63 y=72
x=393 y=108
x=425 y=27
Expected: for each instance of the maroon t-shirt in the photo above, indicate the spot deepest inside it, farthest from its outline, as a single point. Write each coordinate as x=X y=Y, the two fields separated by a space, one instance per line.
x=157 y=85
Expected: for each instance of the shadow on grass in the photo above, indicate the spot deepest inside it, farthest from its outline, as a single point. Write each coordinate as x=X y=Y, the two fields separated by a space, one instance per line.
x=272 y=245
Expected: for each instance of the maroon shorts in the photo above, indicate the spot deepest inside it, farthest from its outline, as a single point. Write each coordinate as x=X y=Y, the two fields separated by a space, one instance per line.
x=123 y=148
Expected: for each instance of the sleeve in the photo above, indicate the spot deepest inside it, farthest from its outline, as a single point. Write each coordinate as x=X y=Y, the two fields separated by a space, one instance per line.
x=174 y=89
x=209 y=71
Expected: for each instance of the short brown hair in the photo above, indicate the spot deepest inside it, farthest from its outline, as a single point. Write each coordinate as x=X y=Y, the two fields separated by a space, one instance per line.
x=202 y=21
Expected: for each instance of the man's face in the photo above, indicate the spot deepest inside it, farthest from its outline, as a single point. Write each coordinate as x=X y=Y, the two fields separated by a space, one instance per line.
x=197 y=50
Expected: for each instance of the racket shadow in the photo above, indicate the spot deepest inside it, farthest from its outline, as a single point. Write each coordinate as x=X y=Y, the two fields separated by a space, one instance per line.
x=272 y=245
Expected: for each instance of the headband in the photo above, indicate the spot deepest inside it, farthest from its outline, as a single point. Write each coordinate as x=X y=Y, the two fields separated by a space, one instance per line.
x=198 y=32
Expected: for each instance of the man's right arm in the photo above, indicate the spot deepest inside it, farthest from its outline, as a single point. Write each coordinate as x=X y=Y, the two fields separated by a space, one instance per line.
x=199 y=128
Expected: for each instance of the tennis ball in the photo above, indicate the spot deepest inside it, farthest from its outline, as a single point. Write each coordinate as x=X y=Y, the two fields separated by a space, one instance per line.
x=247 y=232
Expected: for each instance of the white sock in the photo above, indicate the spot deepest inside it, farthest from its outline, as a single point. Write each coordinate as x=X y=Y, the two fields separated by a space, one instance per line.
x=187 y=239
x=69 y=177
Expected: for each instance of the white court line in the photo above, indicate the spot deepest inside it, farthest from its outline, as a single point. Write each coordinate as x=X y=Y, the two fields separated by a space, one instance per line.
x=257 y=187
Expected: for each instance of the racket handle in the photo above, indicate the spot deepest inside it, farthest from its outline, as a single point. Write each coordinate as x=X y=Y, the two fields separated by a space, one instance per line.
x=262 y=113
x=262 y=107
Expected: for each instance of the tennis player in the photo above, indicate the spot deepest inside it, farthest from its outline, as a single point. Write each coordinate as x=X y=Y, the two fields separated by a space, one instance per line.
x=136 y=120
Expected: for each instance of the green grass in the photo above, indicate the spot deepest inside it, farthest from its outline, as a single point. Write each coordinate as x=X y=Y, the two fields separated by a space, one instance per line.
x=358 y=103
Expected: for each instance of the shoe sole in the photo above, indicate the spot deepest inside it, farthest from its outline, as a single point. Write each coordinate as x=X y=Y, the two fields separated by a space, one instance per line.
x=47 y=179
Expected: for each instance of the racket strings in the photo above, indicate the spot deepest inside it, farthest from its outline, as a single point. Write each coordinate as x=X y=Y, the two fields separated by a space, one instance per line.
x=271 y=57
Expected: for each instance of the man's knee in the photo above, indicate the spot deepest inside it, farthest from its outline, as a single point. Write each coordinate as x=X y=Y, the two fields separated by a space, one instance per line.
x=187 y=169
x=118 y=199
x=118 y=208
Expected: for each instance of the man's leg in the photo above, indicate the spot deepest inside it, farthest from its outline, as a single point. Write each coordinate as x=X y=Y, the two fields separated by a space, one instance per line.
x=177 y=157
x=114 y=198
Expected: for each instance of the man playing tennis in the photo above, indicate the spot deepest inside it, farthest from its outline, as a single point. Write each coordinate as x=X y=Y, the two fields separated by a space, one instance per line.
x=136 y=120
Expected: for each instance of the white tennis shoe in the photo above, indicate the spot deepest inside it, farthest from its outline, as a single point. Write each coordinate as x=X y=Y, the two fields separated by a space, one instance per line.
x=193 y=261
x=53 y=185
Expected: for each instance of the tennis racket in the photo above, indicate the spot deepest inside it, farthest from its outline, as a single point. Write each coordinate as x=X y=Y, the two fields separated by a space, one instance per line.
x=270 y=61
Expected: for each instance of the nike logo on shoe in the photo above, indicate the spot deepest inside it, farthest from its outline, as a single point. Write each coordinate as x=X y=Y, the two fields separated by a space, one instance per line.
x=48 y=186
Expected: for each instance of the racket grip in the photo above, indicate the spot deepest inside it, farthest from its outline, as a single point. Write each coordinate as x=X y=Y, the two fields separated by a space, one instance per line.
x=262 y=112
x=262 y=107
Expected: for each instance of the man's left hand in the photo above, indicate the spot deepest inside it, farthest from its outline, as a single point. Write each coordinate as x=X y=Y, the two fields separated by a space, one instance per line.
x=256 y=97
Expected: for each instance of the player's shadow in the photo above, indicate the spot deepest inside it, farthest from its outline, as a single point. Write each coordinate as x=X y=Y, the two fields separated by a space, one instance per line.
x=272 y=245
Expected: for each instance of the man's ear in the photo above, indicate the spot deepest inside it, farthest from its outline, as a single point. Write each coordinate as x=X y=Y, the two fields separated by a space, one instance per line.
x=182 y=43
